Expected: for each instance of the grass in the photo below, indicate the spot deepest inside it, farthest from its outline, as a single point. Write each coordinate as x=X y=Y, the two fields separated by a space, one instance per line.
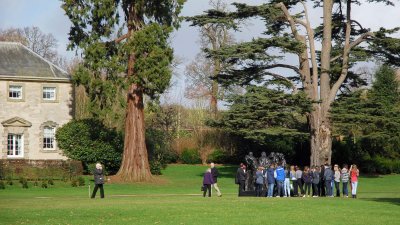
x=178 y=201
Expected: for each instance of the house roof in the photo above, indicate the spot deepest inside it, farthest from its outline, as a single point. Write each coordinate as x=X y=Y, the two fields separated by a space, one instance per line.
x=18 y=61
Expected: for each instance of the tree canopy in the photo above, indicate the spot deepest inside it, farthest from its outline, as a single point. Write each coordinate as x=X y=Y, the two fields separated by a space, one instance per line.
x=326 y=54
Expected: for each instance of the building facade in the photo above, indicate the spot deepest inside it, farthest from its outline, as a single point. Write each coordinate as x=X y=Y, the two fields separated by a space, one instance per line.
x=36 y=98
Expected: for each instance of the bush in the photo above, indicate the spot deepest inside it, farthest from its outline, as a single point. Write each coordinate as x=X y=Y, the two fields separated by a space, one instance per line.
x=386 y=166
x=81 y=181
x=35 y=183
x=50 y=181
x=190 y=156
x=9 y=180
x=159 y=150
x=89 y=141
x=44 y=184
x=2 y=185
x=24 y=182
x=74 y=182
x=217 y=156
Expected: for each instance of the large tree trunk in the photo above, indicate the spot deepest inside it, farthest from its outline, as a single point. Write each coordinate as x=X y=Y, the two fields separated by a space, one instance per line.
x=321 y=140
x=214 y=89
x=135 y=164
x=320 y=125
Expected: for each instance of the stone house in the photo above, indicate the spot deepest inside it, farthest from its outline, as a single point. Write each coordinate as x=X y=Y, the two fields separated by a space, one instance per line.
x=36 y=97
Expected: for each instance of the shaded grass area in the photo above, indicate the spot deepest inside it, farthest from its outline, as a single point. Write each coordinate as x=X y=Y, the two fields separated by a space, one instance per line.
x=178 y=201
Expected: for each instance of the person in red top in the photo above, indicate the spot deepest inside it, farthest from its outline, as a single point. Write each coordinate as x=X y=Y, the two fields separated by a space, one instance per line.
x=354 y=173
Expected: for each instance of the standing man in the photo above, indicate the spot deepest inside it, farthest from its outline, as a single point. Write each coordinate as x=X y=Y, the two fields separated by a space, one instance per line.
x=241 y=178
x=215 y=174
x=98 y=180
x=280 y=179
x=328 y=174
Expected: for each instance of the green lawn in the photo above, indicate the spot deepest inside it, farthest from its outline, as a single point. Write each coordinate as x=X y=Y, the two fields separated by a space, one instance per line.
x=178 y=201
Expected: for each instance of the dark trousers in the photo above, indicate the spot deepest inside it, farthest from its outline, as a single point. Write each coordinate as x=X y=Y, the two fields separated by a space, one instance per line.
x=259 y=189
x=207 y=187
x=345 y=188
x=315 y=189
x=322 y=188
x=328 y=188
x=242 y=185
x=300 y=184
x=307 y=188
x=97 y=186
x=337 y=187
x=280 y=188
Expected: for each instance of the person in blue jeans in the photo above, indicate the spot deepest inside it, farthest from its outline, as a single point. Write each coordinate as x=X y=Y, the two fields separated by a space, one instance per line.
x=286 y=184
x=259 y=181
x=271 y=174
x=344 y=177
x=280 y=179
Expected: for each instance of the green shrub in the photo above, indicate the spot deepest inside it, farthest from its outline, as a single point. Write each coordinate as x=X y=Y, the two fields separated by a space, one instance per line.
x=2 y=185
x=74 y=182
x=385 y=165
x=81 y=181
x=159 y=150
x=35 y=183
x=217 y=156
x=50 y=181
x=89 y=141
x=190 y=156
x=44 y=184
x=24 y=182
x=9 y=180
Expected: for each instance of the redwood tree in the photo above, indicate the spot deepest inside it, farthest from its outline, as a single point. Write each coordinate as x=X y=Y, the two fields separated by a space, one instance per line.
x=325 y=54
x=124 y=45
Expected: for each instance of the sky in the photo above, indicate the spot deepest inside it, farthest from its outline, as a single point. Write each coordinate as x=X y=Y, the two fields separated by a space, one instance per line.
x=50 y=18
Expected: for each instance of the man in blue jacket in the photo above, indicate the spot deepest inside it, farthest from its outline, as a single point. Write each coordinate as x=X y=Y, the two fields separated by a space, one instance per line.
x=280 y=178
x=271 y=180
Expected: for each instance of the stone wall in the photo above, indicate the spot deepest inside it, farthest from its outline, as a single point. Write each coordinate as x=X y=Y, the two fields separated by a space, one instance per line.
x=37 y=113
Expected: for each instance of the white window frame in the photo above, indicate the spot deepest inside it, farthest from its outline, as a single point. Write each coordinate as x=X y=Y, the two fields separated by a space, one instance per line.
x=14 y=141
x=46 y=92
x=21 y=91
x=52 y=138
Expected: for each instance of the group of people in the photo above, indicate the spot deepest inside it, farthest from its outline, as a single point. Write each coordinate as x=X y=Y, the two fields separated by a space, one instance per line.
x=286 y=181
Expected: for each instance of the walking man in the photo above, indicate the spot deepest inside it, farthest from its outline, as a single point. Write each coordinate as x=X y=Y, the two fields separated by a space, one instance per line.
x=215 y=174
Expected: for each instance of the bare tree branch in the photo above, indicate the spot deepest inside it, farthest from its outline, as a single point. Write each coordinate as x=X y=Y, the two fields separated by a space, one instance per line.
x=121 y=38
x=278 y=76
x=311 y=40
x=358 y=41
x=294 y=68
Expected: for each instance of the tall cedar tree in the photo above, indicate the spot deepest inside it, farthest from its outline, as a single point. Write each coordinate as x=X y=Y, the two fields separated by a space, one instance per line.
x=263 y=114
x=371 y=117
x=129 y=52
x=321 y=73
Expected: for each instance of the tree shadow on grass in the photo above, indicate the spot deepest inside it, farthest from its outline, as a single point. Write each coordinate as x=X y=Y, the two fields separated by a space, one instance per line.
x=394 y=201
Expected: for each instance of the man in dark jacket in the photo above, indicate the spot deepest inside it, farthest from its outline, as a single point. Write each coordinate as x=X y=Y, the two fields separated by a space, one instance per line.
x=241 y=178
x=98 y=180
x=328 y=174
x=215 y=174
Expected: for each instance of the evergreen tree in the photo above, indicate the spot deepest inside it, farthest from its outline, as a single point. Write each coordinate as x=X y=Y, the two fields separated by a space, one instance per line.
x=125 y=46
x=320 y=73
x=262 y=115
x=370 y=119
